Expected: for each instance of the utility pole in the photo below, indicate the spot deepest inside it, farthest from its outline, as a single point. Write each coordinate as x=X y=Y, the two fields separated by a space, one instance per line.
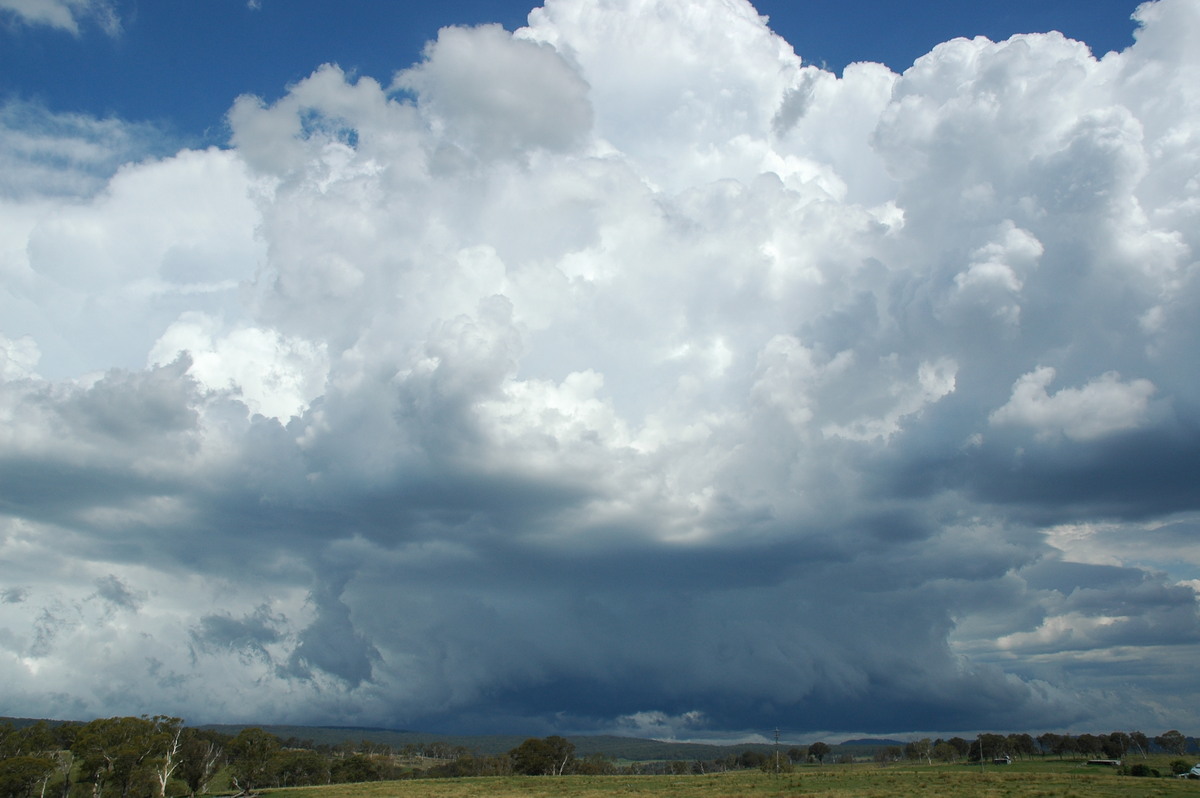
x=776 y=750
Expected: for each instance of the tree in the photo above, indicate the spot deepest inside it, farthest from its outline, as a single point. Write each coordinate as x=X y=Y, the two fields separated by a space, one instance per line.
x=919 y=749
x=962 y=746
x=550 y=756
x=250 y=754
x=777 y=763
x=1141 y=742
x=564 y=754
x=1047 y=741
x=819 y=750
x=38 y=738
x=1173 y=742
x=64 y=763
x=988 y=746
x=1116 y=745
x=33 y=753
x=64 y=734
x=301 y=768
x=167 y=733
x=356 y=768
x=945 y=752
x=201 y=756
x=888 y=753
x=1058 y=744
x=8 y=739
x=20 y=775
x=751 y=759
x=1021 y=744
x=115 y=755
x=1088 y=744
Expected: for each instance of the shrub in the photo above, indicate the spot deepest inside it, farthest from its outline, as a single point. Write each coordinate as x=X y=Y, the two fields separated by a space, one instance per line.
x=780 y=764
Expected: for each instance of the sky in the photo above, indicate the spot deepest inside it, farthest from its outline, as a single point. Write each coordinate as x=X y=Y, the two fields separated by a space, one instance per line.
x=673 y=368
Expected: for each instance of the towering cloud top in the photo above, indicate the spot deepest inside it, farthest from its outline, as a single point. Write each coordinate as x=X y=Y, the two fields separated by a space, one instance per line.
x=622 y=372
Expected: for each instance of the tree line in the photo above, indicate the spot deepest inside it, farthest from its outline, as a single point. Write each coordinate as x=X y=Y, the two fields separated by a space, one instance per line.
x=160 y=757
x=1114 y=746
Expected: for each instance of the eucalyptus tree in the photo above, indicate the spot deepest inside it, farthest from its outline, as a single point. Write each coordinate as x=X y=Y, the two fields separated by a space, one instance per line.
x=121 y=756
x=251 y=753
x=549 y=756
x=202 y=753
x=1173 y=742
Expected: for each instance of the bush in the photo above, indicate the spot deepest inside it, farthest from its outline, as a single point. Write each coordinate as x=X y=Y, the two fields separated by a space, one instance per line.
x=777 y=765
x=1179 y=766
x=1143 y=771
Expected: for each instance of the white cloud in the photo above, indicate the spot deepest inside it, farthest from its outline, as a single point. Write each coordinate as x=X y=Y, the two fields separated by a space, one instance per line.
x=659 y=725
x=584 y=366
x=991 y=282
x=934 y=381
x=164 y=237
x=64 y=14
x=1105 y=405
x=274 y=375
x=18 y=358
x=686 y=91
x=494 y=94
x=63 y=154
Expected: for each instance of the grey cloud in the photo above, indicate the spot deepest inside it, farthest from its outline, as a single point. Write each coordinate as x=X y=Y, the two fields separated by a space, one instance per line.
x=332 y=644
x=796 y=102
x=117 y=593
x=249 y=634
x=134 y=408
x=49 y=624
x=1137 y=475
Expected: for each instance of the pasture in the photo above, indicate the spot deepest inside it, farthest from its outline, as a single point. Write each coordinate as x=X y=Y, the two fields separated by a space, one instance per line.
x=1023 y=780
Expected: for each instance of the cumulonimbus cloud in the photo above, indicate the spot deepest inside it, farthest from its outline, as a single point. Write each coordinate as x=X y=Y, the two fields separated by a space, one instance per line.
x=620 y=372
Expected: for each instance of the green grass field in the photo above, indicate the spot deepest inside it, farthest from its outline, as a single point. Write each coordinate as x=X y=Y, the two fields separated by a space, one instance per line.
x=1021 y=780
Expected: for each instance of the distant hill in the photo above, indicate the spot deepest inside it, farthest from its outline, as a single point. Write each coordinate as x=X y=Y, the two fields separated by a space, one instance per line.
x=627 y=748
x=634 y=749
x=873 y=742
x=630 y=749
x=21 y=723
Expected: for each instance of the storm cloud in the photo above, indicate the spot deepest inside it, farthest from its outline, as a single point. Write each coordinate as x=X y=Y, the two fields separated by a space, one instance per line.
x=621 y=373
